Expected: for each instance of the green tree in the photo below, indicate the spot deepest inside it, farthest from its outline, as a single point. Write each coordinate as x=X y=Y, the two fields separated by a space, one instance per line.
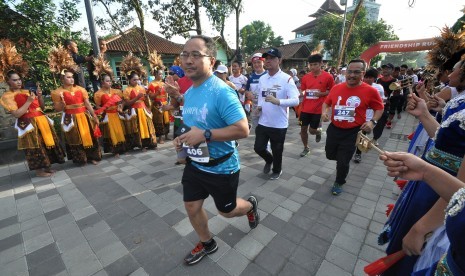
x=121 y=14
x=182 y=17
x=365 y=33
x=218 y=12
x=37 y=28
x=257 y=35
x=458 y=25
x=177 y=17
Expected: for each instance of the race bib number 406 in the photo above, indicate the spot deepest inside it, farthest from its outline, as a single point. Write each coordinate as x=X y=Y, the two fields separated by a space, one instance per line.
x=198 y=154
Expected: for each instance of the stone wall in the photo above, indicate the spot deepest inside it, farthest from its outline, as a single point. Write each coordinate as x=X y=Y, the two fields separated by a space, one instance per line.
x=8 y=135
x=7 y=131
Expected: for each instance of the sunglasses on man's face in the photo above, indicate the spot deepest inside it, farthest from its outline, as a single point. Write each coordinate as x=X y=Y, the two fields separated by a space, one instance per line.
x=171 y=73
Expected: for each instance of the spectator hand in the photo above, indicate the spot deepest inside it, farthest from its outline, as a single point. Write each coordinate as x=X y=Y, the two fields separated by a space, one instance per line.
x=172 y=87
x=272 y=100
x=436 y=103
x=404 y=165
x=412 y=243
x=421 y=89
x=416 y=106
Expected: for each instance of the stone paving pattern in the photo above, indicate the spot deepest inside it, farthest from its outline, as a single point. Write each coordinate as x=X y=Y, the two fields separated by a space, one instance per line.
x=126 y=216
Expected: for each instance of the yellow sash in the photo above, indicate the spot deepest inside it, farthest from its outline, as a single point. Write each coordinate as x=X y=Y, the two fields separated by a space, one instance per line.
x=142 y=119
x=44 y=127
x=116 y=129
x=84 y=130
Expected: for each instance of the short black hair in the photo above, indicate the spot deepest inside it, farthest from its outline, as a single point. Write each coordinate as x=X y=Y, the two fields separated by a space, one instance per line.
x=404 y=66
x=238 y=62
x=315 y=58
x=209 y=43
x=372 y=73
x=397 y=68
x=67 y=42
x=358 y=60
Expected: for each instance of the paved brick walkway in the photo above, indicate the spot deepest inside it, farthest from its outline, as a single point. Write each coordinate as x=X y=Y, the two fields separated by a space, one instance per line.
x=126 y=216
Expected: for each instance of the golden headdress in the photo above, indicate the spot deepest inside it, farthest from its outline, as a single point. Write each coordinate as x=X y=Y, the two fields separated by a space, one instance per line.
x=102 y=67
x=177 y=61
x=445 y=46
x=11 y=60
x=155 y=61
x=60 y=61
x=132 y=64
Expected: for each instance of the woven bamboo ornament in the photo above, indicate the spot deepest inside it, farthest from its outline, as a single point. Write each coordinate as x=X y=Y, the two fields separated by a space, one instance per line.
x=60 y=61
x=445 y=46
x=155 y=61
x=102 y=67
x=11 y=60
x=132 y=64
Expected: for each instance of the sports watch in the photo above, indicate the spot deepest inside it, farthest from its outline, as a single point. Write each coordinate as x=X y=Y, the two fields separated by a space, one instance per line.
x=208 y=135
x=374 y=122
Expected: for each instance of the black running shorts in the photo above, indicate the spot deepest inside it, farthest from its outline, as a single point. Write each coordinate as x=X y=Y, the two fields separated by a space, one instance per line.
x=198 y=184
x=313 y=120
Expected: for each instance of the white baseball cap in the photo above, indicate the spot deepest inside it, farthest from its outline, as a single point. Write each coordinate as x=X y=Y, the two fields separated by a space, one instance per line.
x=222 y=69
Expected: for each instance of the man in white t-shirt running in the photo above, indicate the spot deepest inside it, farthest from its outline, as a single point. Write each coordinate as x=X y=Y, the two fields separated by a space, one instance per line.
x=252 y=89
x=239 y=80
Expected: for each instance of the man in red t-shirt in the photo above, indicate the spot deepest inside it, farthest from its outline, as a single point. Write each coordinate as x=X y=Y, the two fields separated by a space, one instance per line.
x=349 y=102
x=314 y=87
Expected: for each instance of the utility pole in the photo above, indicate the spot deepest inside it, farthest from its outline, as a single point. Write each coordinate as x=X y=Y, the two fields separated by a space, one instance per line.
x=342 y=2
x=90 y=21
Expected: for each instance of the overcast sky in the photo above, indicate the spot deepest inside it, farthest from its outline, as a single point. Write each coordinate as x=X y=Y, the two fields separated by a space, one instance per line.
x=423 y=20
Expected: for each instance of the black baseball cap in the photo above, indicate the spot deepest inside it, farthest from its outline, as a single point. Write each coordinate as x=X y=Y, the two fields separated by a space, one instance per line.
x=388 y=65
x=272 y=52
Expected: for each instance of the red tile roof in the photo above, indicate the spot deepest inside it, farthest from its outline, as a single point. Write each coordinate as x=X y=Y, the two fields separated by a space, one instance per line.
x=289 y=51
x=132 y=41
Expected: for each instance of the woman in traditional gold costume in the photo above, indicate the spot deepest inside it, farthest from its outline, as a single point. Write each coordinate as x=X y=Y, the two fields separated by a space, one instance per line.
x=79 y=120
x=139 y=126
x=109 y=103
x=36 y=135
x=159 y=97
